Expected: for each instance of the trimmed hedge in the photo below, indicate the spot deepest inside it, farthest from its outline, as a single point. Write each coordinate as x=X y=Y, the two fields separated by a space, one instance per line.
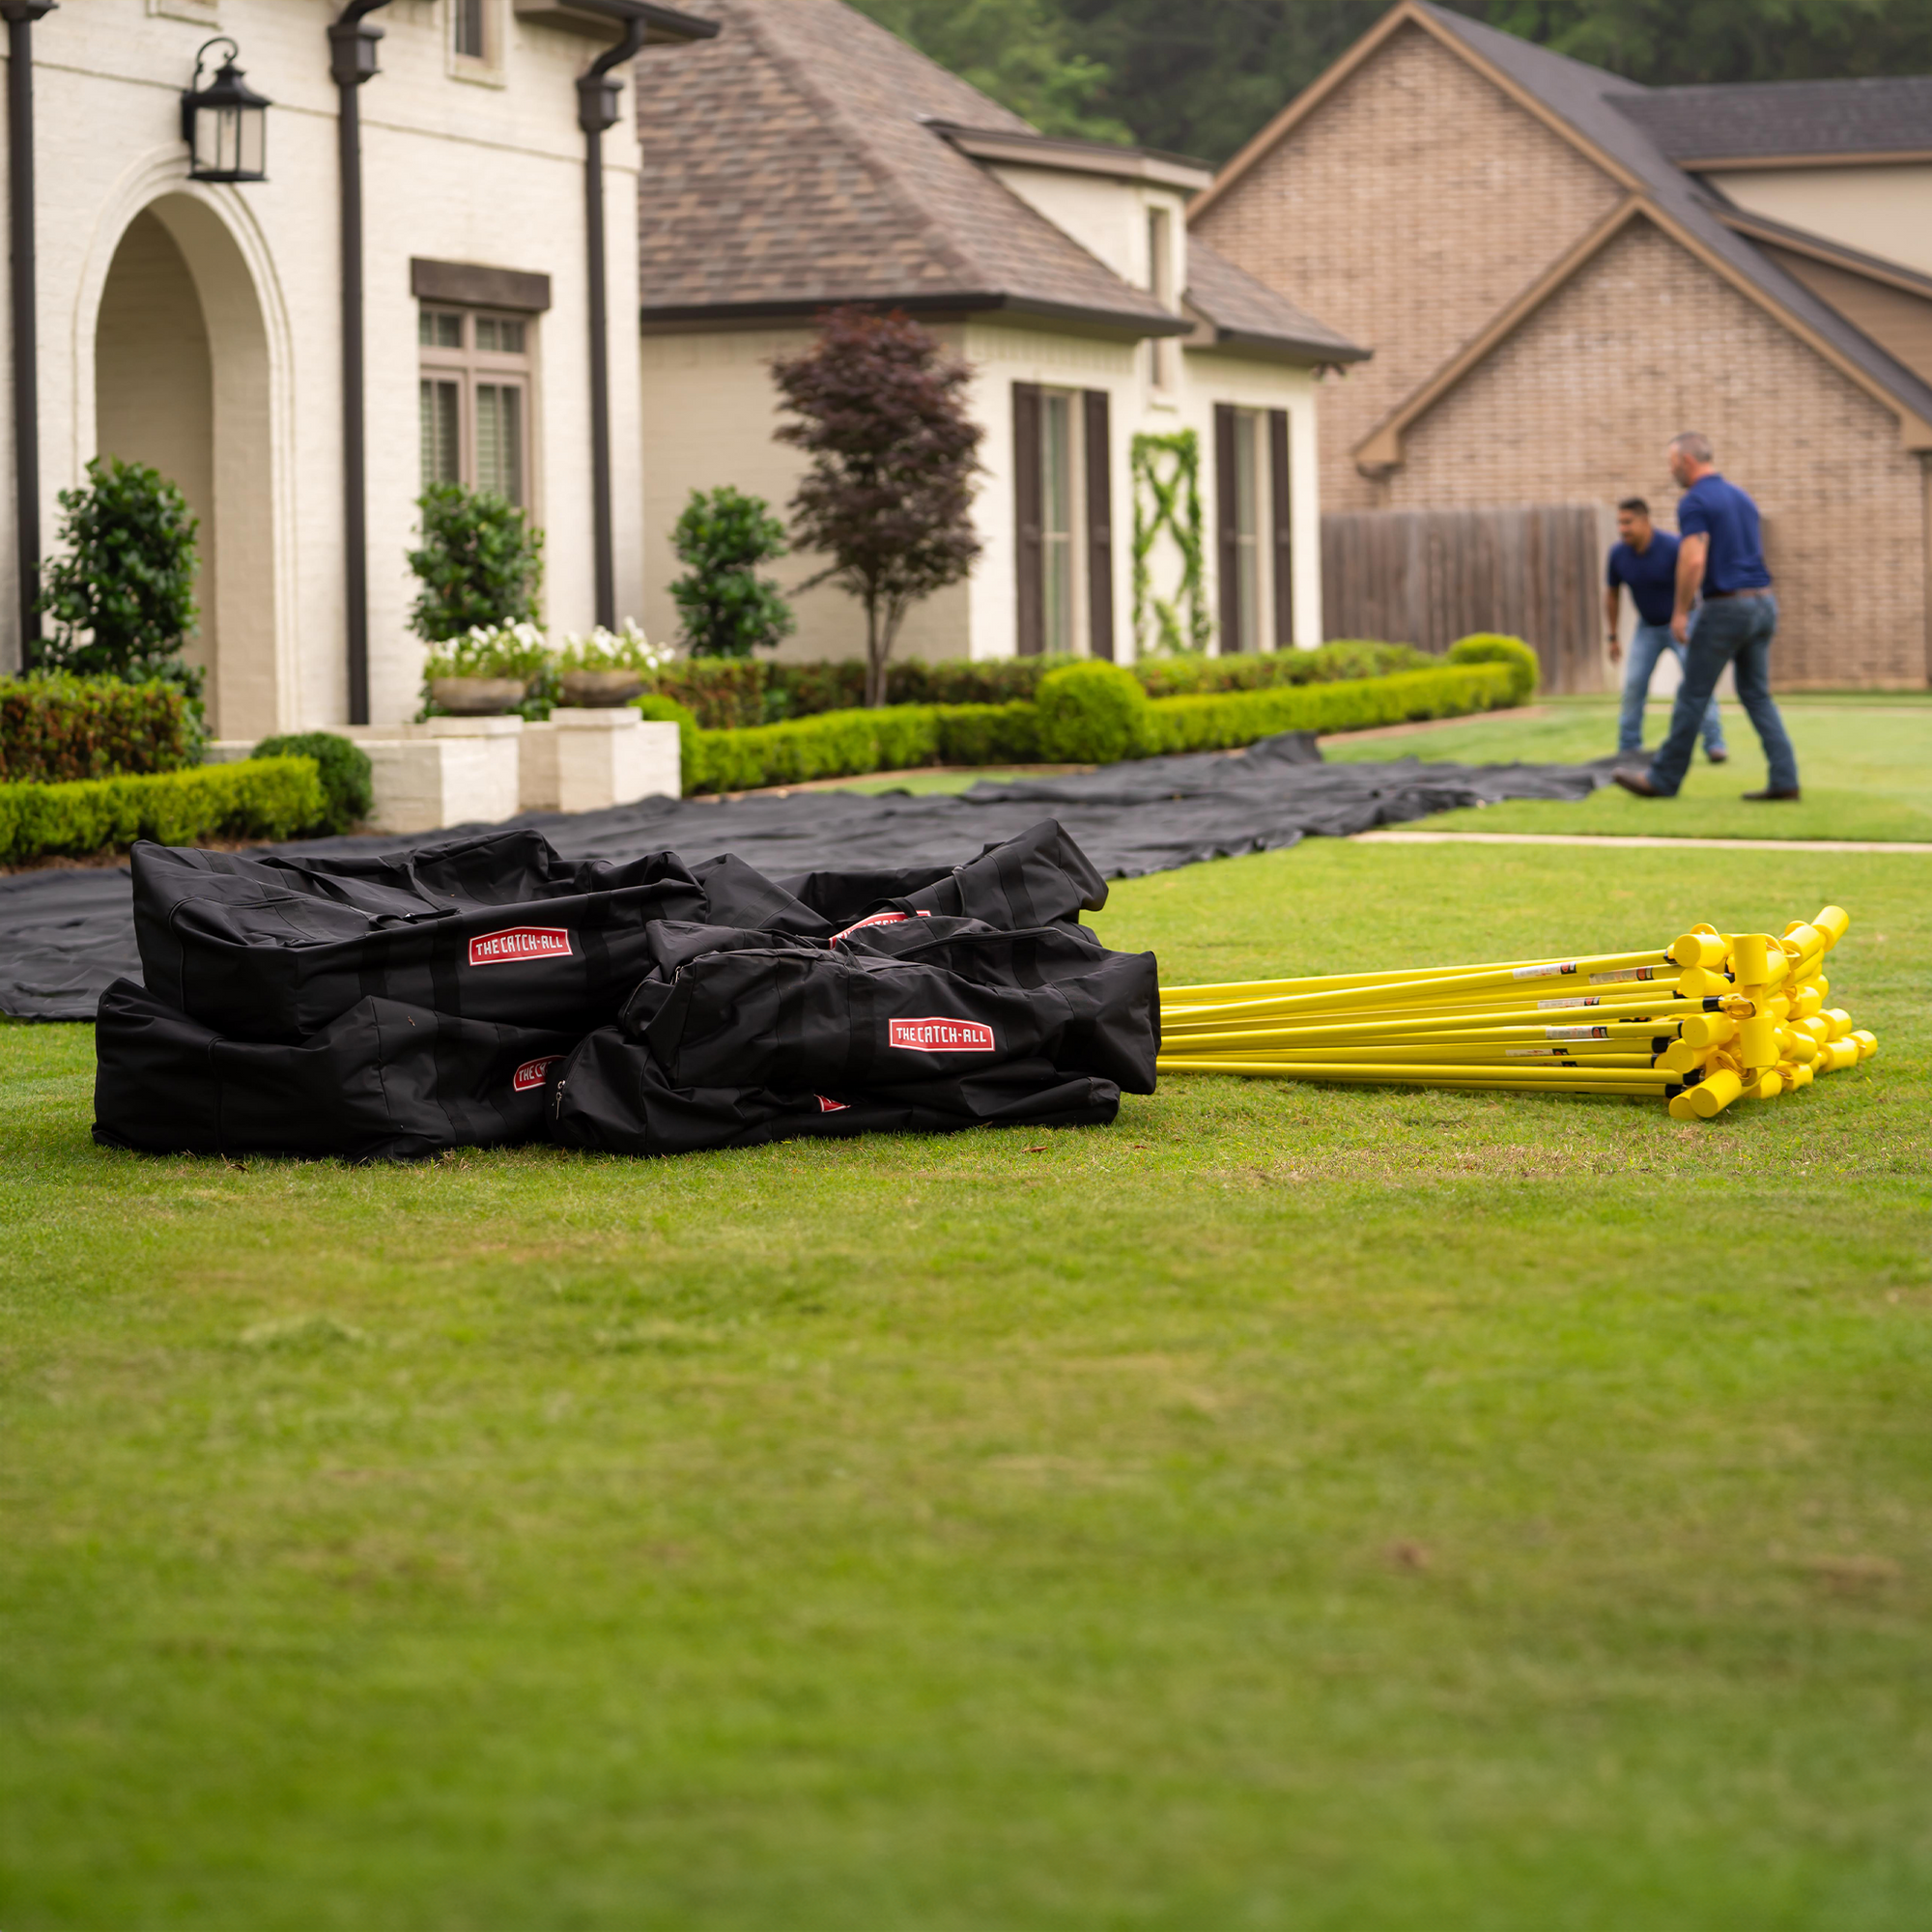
x=1347 y=658
x=1084 y=713
x=56 y=729
x=258 y=798
x=737 y=693
x=1491 y=647
x=1221 y=723
x=664 y=710
x=347 y=780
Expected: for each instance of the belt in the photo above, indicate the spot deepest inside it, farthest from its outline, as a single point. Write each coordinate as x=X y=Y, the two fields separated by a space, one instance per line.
x=1716 y=596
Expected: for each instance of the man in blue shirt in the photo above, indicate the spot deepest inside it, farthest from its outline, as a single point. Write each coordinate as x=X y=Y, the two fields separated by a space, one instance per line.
x=1644 y=562
x=1721 y=555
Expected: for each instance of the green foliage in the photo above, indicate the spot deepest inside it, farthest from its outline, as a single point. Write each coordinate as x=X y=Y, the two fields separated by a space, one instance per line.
x=664 y=710
x=121 y=596
x=989 y=734
x=1091 y=714
x=1026 y=54
x=1201 y=79
x=55 y=728
x=1167 y=503
x=728 y=610
x=1263 y=670
x=1220 y=722
x=348 y=786
x=1491 y=647
x=480 y=563
x=258 y=798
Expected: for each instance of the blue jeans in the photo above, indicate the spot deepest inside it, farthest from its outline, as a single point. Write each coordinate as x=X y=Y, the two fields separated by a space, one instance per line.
x=1734 y=631
x=1650 y=643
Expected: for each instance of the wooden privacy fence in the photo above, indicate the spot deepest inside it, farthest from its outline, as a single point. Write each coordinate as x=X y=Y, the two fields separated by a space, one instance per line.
x=1428 y=577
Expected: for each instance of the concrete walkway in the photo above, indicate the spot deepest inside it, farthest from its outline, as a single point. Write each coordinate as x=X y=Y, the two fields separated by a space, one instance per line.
x=1396 y=835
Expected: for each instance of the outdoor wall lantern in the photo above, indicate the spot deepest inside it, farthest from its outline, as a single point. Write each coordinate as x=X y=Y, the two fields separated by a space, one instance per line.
x=224 y=123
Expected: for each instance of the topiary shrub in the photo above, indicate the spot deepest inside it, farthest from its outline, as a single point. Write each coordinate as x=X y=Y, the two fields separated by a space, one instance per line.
x=728 y=610
x=1492 y=647
x=664 y=710
x=348 y=782
x=55 y=729
x=1091 y=714
x=480 y=564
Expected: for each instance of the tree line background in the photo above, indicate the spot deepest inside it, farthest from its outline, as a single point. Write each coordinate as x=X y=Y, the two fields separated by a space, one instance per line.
x=1201 y=78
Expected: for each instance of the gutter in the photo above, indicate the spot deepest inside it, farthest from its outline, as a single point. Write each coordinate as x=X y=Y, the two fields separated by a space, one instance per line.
x=1129 y=325
x=352 y=51
x=20 y=16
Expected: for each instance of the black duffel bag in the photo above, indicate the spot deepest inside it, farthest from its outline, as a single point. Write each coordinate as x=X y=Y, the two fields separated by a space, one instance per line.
x=613 y=1096
x=494 y=927
x=852 y=1020
x=383 y=1081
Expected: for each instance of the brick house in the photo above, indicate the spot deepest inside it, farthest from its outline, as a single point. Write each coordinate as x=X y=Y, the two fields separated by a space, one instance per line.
x=1557 y=269
x=807 y=158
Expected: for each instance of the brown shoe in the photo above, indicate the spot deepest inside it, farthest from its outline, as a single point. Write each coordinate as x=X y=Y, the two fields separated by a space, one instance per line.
x=1638 y=783
x=1768 y=796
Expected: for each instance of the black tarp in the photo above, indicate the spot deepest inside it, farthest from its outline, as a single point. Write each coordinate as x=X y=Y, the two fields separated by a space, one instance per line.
x=65 y=934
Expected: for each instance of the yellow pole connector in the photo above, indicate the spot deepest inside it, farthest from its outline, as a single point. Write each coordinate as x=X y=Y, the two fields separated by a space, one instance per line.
x=1711 y=1018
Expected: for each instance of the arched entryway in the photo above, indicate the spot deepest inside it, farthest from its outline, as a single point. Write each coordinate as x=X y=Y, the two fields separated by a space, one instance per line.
x=180 y=381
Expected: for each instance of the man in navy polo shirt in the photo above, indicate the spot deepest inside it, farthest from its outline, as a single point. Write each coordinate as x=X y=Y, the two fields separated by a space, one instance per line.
x=1645 y=561
x=1719 y=553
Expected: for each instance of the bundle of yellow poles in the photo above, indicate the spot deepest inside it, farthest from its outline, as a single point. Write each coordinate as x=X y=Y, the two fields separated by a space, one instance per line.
x=1707 y=1019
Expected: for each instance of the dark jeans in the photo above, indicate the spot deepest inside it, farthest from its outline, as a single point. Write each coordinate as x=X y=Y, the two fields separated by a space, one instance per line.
x=1734 y=631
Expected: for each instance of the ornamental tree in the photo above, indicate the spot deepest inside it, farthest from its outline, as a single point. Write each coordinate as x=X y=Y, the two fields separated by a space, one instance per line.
x=480 y=563
x=121 y=597
x=880 y=411
x=728 y=610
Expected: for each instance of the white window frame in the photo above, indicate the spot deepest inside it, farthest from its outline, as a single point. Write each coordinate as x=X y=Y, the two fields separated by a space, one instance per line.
x=1164 y=351
x=1254 y=545
x=485 y=67
x=469 y=368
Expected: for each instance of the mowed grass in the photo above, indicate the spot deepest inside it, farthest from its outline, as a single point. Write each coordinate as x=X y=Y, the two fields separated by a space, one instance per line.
x=1286 y=1508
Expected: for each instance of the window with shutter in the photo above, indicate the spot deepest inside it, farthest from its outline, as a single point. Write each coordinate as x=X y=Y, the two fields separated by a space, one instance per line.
x=475 y=400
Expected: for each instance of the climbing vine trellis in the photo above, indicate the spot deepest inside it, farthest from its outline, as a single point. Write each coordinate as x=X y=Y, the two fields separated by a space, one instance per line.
x=1167 y=498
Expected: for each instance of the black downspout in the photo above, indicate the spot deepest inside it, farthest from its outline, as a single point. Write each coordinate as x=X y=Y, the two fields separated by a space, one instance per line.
x=20 y=16
x=596 y=110
x=351 y=50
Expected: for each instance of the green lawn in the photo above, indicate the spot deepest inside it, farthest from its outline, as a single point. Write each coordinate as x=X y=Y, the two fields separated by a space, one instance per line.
x=1288 y=1508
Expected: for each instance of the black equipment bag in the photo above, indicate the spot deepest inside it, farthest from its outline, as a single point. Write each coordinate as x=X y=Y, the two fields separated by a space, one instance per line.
x=383 y=1082
x=849 y=1019
x=613 y=1096
x=494 y=927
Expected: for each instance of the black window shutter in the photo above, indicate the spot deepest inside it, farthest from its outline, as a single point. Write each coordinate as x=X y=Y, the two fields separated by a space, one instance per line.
x=1029 y=572
x=1100 y=527
x=1281 y=504
x=1227 y=556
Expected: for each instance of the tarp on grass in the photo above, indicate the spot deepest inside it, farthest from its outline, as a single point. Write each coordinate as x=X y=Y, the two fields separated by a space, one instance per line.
x=66 y=934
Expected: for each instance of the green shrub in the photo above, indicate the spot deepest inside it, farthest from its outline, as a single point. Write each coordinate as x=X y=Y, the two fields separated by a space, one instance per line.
x=669 y=711
x=1219 y=721
x=988 y=734
x=725 y=694
x=55 y=729
x=125 y=583
x=1090 y=714
x=1491 y=647
x=1263 y=670
x=348 y=786
x=258 y=798
x=480 y=563
x=728 y=610
x=970 y=681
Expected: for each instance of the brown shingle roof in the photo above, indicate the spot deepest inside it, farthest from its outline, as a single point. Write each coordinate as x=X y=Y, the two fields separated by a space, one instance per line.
x=1247 y=314
x=787 y=164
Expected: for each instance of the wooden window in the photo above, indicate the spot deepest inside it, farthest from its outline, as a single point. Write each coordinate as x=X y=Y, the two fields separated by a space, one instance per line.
x=1164 y=351
x=1056 y=522
x=470 y=29
x=1280 y=504
x=1027 y=579
x=1099 y=525
x=1245 y=528
x=475 y=400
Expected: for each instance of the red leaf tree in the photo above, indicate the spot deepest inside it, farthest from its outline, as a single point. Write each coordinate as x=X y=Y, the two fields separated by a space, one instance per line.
x=879 y=409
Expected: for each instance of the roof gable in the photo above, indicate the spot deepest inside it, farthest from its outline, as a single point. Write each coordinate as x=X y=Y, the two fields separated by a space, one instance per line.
x=1787 y=121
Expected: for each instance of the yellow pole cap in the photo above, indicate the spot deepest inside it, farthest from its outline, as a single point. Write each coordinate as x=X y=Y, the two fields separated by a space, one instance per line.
x=1832 y=922
x=1703 y=1029
x=1709 y=1098
x=1868 y=1043
x=1700 y=948
x=1757 y=1042
x=1766 y=1086
x=1840 y=1020
x=1683 y=1107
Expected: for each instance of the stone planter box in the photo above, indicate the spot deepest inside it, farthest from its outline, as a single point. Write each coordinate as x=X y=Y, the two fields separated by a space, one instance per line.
x=587 y=759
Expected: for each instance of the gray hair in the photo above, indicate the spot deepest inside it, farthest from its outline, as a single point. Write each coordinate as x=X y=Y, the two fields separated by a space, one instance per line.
x=1694 y=445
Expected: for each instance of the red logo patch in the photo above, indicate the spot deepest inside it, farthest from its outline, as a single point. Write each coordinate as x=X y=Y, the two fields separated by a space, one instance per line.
x=876 y=918
x=519 y=942
x=531 y=1074
x=830 y=1106
x=941 y=1036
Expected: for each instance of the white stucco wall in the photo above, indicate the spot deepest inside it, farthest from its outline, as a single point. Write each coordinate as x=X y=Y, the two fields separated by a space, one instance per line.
x=709 y=410
x=485 y=171
x=1883 y=211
